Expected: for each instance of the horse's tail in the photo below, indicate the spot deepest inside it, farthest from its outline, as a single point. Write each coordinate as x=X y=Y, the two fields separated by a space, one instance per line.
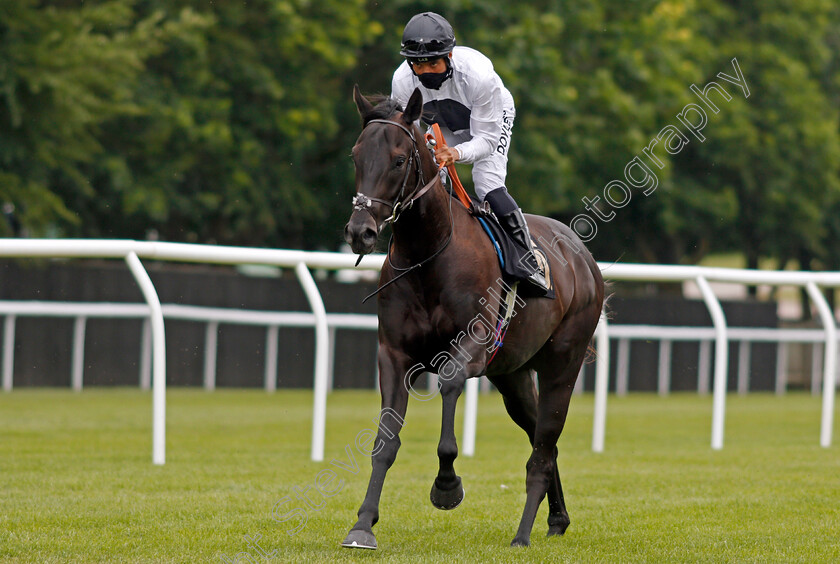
x=591 y=351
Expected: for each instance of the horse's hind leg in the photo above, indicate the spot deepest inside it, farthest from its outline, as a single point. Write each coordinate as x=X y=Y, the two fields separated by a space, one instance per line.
x=520 y=397
x=556 y=386
x=558 y=517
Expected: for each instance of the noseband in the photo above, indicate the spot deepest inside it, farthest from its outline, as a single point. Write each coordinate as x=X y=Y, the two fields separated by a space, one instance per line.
x=362 y=202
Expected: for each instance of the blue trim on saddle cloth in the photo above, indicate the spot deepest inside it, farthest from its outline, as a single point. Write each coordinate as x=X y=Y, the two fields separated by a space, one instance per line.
x=493 y=240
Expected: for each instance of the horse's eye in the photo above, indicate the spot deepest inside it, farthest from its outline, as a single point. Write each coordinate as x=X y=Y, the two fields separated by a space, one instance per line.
x=399 y=161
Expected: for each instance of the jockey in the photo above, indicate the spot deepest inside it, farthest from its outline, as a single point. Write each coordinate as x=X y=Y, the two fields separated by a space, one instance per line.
x=466 y=98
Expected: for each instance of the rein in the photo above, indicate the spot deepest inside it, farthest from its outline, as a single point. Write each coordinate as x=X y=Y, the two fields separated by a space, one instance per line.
x=362 y=202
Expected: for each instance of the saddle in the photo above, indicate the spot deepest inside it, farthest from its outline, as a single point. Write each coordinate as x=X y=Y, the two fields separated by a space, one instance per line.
x=509 y=253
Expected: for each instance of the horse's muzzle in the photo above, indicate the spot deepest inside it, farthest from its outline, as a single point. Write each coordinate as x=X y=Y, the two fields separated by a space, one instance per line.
x=361 y=234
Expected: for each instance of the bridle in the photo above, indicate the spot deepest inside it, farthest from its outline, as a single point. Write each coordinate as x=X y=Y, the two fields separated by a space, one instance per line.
x=363 y=202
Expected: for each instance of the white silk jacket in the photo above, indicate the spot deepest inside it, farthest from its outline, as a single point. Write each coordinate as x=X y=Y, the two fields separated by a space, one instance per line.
x=470 y=106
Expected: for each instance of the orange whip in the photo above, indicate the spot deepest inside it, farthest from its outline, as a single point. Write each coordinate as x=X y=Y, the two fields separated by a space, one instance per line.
x=437 y=136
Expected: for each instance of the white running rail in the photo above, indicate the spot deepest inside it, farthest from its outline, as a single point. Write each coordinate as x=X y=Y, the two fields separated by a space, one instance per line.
x=302 y=261
x=133 y=251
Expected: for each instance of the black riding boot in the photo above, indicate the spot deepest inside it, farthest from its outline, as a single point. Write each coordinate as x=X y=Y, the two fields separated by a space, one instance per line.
x=513 y=222
x=515 y=225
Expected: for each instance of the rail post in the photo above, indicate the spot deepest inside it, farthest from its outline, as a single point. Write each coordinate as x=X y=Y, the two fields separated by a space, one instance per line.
x=829 y=364
x=158 y=358
x=602 y=374
x=322 y=352
x=721 y=361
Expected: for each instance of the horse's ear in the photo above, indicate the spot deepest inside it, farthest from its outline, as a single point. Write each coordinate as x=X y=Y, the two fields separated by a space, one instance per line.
x=362 y=103
x=414 y=107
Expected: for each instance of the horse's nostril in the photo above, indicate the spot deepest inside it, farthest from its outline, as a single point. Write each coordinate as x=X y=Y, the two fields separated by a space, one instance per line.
x=356 y=234
x=369 y=234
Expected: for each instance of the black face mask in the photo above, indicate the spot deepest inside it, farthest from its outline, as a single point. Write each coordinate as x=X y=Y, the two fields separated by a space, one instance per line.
x=434 y=80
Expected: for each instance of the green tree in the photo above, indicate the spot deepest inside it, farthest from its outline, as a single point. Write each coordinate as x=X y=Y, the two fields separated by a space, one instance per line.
x=595 y=81
x=236 y=120
x=63 y=73
x=204 y=122
x=231 y=122
x=779 y=152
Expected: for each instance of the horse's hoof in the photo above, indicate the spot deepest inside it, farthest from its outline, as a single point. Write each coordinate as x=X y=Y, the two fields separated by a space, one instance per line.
x=520 y=542
x=557 y=528
x=360 y=539
x=447 y=499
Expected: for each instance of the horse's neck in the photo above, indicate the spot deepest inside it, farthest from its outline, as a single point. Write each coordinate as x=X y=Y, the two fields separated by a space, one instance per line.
x=426 y=227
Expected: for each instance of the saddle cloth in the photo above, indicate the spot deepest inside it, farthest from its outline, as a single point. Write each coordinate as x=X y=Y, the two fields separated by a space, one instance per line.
x=511 y=254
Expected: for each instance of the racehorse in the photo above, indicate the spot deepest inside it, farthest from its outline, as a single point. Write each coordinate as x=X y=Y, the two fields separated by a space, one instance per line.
x=438 y=287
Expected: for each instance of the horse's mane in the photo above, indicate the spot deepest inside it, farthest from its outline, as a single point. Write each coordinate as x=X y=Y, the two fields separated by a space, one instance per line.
x=383 y=108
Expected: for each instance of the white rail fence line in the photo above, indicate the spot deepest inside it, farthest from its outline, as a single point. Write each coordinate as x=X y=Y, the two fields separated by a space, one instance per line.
x=82 y=311
x=745 y=336
x=812 y=281
x=132 y=251
x=325 y=325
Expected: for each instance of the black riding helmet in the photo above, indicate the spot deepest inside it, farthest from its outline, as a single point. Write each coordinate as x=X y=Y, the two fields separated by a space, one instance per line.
x=427 y=36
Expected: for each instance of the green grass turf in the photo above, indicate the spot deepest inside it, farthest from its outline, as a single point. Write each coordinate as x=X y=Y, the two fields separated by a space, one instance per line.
x=77 y=483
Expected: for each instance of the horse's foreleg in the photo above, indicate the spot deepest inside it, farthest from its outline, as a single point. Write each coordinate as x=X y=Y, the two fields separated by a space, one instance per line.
x=447 y=491
x=395 y=376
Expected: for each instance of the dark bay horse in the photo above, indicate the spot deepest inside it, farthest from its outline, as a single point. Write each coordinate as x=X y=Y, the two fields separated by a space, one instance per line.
x=428 y=315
